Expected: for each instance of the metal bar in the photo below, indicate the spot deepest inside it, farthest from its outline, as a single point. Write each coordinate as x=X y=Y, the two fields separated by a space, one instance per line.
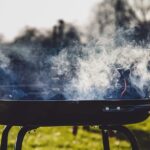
x=132 y=139
x=4 y=139
x=75 y=130
x=129 y=135
x=105 y=137
x=21 y=136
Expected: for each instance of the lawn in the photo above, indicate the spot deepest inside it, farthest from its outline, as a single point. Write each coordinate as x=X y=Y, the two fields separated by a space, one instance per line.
x=61 y=138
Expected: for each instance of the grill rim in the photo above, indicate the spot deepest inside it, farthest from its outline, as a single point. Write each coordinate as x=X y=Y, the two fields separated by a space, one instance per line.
x=89 y=112
x=121 y=102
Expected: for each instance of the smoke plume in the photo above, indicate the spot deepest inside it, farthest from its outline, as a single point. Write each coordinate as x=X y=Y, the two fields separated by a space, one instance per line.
x=98 y=70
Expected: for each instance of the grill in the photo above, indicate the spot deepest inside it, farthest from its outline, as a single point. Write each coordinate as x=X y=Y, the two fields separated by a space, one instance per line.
x=107 y=114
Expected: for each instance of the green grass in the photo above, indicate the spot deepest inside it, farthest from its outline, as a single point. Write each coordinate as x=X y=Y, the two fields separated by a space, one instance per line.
x=61 y=138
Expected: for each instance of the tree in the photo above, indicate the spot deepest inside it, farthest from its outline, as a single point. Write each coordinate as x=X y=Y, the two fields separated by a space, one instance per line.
x=29 y=35
x=124 y=14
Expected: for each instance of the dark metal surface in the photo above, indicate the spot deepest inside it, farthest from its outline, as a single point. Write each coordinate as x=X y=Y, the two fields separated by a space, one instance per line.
x=57 y=113
x=4 y=139
x=105 y=137
x=21 y=136
x=111 y=114
x=130 y=136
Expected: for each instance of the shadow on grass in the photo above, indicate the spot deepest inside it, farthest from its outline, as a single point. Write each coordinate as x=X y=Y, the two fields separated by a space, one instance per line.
x=143 y=137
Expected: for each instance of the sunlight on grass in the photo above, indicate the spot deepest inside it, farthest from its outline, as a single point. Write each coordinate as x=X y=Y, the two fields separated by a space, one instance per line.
x=61 y=138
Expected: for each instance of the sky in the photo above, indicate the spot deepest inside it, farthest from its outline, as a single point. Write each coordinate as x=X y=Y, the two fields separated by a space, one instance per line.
x=15 y=14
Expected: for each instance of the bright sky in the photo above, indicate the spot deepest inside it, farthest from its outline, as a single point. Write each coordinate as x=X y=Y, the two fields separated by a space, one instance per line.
x=15 y=14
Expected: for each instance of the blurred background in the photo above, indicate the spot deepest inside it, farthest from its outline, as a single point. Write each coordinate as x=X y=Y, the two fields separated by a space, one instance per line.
x=48 y=26
x=52 y=24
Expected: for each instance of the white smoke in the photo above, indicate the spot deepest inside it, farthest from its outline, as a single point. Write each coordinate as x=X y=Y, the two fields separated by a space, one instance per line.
x=80 y=72
x=97 y=69
x=4 y=61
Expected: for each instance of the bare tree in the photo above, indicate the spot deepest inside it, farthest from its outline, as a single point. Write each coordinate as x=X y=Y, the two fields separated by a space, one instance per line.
x=122 y=14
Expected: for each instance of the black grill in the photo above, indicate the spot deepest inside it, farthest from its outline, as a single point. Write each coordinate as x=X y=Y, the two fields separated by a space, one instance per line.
x=108 y=114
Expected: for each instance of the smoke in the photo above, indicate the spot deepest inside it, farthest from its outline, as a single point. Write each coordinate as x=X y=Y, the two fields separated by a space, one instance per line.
x=99 y=70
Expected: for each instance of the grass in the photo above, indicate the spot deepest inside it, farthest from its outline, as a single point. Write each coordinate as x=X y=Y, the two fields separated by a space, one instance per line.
x=61 y=138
